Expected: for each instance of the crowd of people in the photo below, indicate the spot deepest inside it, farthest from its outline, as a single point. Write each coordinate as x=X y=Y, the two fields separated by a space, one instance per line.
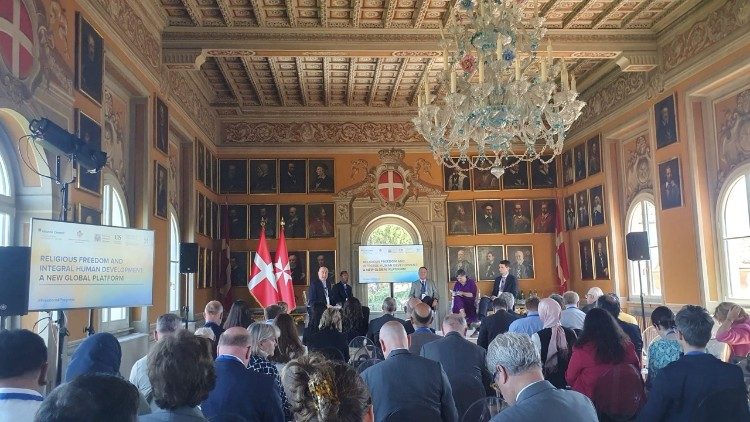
x=556 y=361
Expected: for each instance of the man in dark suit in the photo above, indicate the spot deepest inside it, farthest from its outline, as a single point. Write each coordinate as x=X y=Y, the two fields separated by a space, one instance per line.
x=462 y=361
x=683 y=384
x=319 y=290
x=489 y=220
x=405 y=386
x=506 y=282
x=496 y=323
x=421 y=319
x=611 y=303
x=341 y=290
x=229 y=398
x=389 y=307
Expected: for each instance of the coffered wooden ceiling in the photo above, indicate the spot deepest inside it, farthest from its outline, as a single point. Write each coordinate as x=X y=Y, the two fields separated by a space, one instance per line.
x=329 y=59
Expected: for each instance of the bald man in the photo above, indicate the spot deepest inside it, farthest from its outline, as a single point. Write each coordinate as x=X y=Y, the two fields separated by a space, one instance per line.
x=406 y=386
x=229 y=397
x=421 y=318
x=462 y=361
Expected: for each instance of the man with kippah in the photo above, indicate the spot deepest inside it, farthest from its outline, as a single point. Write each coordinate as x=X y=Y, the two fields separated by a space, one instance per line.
x=23 y=372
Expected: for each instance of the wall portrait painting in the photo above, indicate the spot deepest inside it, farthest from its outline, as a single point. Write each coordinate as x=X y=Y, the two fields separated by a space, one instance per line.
x=237 y=221
x=586 y=264
x=162 y=126
x=521 y=259
x=579 y=160
x=323 y=259
x=582 y=209
x=594 y=155
x=460 y=217
x=488 y=260
x=91 y=133
x=263 y=214
x=200 y=205
x=201 y=274
x=601 y=258
x=516 y=176
x=568 y=170
x=489 y=216
x=596 y=198
x=292 y=176
x=320 y=220
x=665 y=117
x=262 y=176
x=321 y=176
x=570 y=212
x=200 y=160
x=457 y=179
x=238 y=271
x=461 y=258
x=89 y=59
x=88 y=215
x=670 y=184
x=161 y=189
x=517 y=216
x=298 y=267
x=483 y=179
x=544 y=212
x=294 y=220
x=543 y=173
x=233 y=176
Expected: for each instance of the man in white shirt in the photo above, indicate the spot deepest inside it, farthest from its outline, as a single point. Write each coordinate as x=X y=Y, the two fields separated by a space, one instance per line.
x=571 y=316
x=23 y=372
x=166 y=325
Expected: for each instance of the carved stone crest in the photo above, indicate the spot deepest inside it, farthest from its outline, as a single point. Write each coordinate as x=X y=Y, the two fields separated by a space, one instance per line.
x=638 y=169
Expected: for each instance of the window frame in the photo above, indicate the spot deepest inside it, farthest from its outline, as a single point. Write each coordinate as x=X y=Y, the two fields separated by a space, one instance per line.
x=113 y=194
x=725 y=282
x=174 y=263
x=633 y=266
x=7 y=198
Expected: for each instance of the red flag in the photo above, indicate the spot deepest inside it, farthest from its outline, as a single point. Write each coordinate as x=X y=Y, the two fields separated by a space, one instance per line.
x=262 y=281
x=561 y=256
x=225 y=268
x=283 y=273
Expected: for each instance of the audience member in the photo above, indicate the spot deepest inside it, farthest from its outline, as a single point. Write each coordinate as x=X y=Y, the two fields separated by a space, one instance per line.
x=288 y=345
x=98 y=353
x=497 y=323
x=284 y=306
x=602 y=345
x=592 y=296
x=230 y=398
x=531 y=323
x=89 y=398
x=505 y=282
x=321 y=390
x=666 y=349
x=684 y=384
x=557 y=298
x=626 y=317
x=329 y=340
x=389 y=308
x=23 y=374
x=611 y=303
x=313 y=321
x=263 y=340
x=511 y=300
x=734 y=329
x=462 y=361
x=166 y=325
x=239 y=315
x=465 y=296
x=342 y=290
x=405 y=386
x=515 y=362
x=206 y=333
x=572 y=317
x=554 y=343
x=353 y=321
x=270 y=313
x=421 y=318
x=182 y=374
x=212 y=314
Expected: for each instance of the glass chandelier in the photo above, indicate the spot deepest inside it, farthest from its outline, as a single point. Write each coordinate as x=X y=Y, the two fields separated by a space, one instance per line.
x=505 y=104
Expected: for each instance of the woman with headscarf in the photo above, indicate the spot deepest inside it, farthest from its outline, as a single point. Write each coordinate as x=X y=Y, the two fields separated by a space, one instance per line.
x=554 y=343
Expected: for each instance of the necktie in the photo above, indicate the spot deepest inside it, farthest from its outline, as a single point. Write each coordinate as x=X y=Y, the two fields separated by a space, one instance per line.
x=424 y=288
x=502 y=283
x=346 y=291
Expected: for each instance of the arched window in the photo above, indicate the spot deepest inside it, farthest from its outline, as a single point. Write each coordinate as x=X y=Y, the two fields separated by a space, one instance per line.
x=6 y=201
x=114 y=213
x=735 y=238
x=642 y=217
x=174 y=263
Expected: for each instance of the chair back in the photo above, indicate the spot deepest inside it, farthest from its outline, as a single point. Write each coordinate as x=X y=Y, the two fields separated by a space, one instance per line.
x=619 y=393
x=331 y=353
x=360 y=350
x=722 y=405
x=483 y=409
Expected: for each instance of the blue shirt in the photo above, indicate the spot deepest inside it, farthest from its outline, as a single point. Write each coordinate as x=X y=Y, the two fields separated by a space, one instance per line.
x=529 y=325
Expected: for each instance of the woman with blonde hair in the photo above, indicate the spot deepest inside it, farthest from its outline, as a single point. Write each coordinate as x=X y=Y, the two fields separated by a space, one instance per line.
x=263 y=340
x=329 y=340
x=734 y=329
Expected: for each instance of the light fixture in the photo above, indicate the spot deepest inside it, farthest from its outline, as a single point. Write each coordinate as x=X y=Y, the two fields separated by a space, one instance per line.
x=505 y=104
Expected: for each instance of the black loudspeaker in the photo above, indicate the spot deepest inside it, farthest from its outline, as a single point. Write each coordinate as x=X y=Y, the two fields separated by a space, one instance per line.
x=15 y=262
x=188 y=258
x=637 y=246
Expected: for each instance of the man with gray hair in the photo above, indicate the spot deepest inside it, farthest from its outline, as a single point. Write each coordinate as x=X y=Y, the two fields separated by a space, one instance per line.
x=591 y=297
x=166 y=325
x=389 y=308
x=571 y=316
x=498 y=322
x=511 y=301
x=462 y=361
x=517 y=366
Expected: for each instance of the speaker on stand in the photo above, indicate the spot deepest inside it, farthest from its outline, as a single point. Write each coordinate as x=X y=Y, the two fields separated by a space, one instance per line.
x=637 y=247
x=188 y=266
x=14 y=281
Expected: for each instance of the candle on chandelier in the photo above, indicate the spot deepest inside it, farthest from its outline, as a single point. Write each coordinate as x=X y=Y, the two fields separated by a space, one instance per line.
x=543 y=67
x=426 y=90
x=453 y=81
x=517 y=64
x=481 y=71
x=419 y=100
x=573 y=82
x=536 y=8
x=549 y=50
x=564 y=75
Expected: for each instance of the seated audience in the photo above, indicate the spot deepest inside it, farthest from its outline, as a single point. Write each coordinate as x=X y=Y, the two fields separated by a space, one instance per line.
x=212 y=314
x=23 y=374
x=531 y=323
x=554 y=343
x=182 y=374
x=511 y=300
x=230 y=398
x=288 y=345
x=601 y=346
x=271 y=312
x=626 y=317
x=284 y=306
x=734 y=329
x=240 y=315
x=322 y=390
x=166 y=325
x=263 y=340
x=98 y=353
x=329 y=340
x=666 y=349
x=421 y=318
x=405 y=386
x=559 y=299
x=89 y=398
x=572 y=317
x=206 y=333
x=592 y=296
x=683 y=385
x=389 y=308
x=353 y=321
x=313 y=320
x=462 y=361
x=465 y=296
x=497 y=323
x=611 y=303
x=515 y=362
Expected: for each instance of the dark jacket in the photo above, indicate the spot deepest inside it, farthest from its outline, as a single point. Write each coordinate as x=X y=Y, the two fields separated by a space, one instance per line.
x=340 y=292
x=684 y=383
x=317 y=293
x=421 y=337
x=557 y=376
x=542 y=401
x=373 y=332
x=328 y=338
x=634 y=332
x=493 y=325
x=408 y=384
x=511 y=285
x=230 y=397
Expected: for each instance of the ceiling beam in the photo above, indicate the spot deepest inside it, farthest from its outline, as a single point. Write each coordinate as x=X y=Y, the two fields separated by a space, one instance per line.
x=602 y=18
x=449 y=11
x=323 y=12
x=301 y=80
x=254 y=81
x=637 y=11
x=350 y=82
x=583 y=4
x=546 y=8
x=356 y=10
x=278 y=81
x=421 y=12
x=291 y=12
x=194 y=11
x=390 y=11
x=326 y=81
x=375 y=80
x=260 y=16
x=227 y=74
x=422 y=80
x=397 y=82
x=226 y=13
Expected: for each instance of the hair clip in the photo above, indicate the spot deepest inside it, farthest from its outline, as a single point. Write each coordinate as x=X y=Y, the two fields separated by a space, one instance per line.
x=321 y=387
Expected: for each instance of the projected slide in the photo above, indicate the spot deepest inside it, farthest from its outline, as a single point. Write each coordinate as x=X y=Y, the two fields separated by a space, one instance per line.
x=389 y=264
x=84 y=266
